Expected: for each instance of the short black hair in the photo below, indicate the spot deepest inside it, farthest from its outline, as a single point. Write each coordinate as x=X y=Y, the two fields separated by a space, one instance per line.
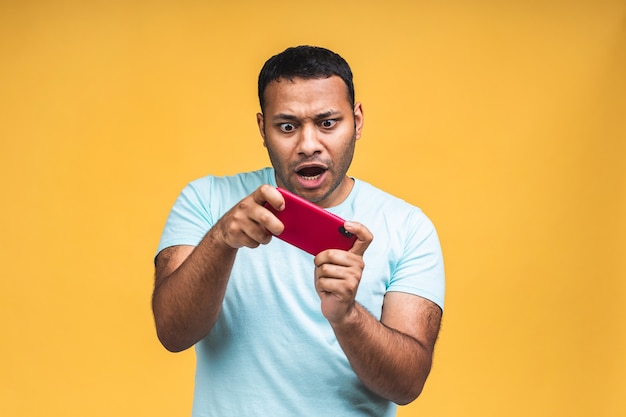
x=306 y=62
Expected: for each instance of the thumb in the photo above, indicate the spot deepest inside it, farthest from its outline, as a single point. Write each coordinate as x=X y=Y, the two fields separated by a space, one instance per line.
x=363 y=237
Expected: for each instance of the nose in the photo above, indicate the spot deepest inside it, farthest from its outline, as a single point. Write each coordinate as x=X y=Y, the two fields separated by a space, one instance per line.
x=308 y=141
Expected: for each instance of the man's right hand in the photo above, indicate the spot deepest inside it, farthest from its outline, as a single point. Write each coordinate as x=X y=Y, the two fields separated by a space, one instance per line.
x=249 y=223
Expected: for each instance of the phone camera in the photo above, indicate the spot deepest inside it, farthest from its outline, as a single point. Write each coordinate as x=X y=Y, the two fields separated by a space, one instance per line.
x=344 y=232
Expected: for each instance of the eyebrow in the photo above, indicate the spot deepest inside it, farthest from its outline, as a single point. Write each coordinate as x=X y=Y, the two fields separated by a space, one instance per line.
x=324 y=115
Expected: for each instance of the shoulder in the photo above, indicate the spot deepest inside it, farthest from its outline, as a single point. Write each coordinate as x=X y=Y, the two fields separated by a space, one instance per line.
x=227 y=188
x=397 y=222
x=383 y=203
x=242 y=180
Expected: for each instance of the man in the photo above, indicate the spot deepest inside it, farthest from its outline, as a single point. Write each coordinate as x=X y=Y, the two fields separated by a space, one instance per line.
x=278 y=331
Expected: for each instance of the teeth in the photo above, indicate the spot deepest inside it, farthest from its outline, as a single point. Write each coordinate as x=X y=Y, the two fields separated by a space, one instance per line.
x=313 y=178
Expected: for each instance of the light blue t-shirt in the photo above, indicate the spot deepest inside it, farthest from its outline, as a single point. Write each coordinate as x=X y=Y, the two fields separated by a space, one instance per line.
x=271 y=351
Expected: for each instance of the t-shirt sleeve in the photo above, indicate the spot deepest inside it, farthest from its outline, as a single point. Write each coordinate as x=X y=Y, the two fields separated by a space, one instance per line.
x=188 y=221
x=420 y=269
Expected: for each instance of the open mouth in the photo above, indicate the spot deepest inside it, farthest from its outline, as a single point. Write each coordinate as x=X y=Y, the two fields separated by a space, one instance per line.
x=311 y=173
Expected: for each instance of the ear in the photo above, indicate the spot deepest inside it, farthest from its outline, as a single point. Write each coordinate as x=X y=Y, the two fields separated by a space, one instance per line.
x=261 y=123
x=358 y=119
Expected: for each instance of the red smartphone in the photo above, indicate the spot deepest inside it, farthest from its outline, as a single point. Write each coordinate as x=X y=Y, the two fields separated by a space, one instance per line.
x=310 y=227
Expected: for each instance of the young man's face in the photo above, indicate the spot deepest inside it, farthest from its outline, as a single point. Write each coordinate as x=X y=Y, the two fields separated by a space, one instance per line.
x=309 y=129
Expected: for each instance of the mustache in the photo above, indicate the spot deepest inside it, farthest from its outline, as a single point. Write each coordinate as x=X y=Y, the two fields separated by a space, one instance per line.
x=311 y=160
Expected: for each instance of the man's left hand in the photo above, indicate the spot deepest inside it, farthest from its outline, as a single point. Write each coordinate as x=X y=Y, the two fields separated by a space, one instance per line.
x=338 y=274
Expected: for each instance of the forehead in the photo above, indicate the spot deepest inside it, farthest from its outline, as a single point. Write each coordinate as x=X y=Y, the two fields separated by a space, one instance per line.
x=284 y=94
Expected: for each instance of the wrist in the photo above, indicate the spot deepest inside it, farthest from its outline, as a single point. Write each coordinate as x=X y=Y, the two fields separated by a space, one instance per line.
x=218 y=240
x=350 y=320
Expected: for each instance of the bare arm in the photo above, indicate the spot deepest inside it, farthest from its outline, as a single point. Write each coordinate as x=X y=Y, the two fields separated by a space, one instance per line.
x=393 y=363
x=190 y=283
x=393 y=356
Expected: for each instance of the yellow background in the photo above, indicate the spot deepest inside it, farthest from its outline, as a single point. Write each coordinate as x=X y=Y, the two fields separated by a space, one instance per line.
x=504 y=120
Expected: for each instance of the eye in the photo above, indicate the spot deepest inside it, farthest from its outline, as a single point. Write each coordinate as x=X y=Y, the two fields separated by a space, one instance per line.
x=287 y=127
x=328 y=123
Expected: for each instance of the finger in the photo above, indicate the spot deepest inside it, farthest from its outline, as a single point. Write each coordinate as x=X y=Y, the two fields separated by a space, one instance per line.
x=346 y=275
x=258 y=235
x=239 y=230
x=363 y=237
x=343 y=288
x=269 y=194
x=262 y=215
